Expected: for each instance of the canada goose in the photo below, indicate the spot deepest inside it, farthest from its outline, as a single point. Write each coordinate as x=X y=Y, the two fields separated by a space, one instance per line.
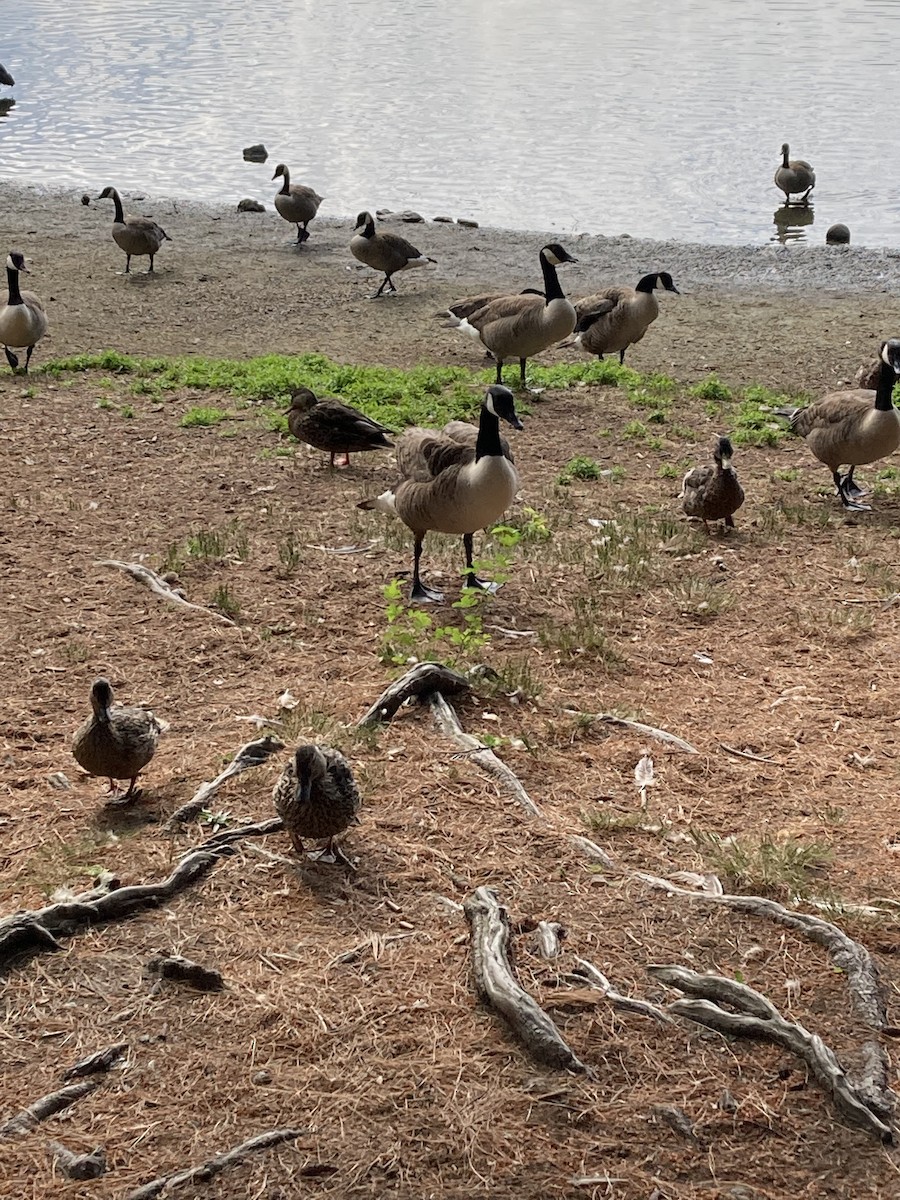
x=846 y=428
x=520 y=326
x=460 y=310
x=450 y=487
x=712 y=493
x=116 y=742
x=23 y=321
x=295 y=202
x=617 y=317
x=388 y=252
x=137 y=236
x=316 y=796
x=794 y=175
x=328 y=424
x=5 y=78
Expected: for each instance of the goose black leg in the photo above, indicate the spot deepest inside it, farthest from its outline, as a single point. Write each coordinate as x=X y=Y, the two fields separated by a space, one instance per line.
x=499 y=378
x=472 y=579
x=386 y=282
x=12 y=359
x=127 y=264
x=621 y=358
x=851 y=487
x=847 y=497
x=150 y=268
x=522 y=372
x=28 y=358
x=421 y=593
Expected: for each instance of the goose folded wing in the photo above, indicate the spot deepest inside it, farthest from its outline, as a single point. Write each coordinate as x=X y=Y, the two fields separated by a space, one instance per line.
x=507 y=308
x=839 y=414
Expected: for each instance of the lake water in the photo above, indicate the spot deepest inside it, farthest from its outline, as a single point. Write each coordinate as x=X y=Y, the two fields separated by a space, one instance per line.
x=644 y=117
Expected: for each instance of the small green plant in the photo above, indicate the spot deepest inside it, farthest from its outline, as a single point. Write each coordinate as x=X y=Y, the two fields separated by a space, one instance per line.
x=206 y=544
x=289 y=553
x=786 y=474
x=225 y=602
x=215 y=820
x=105 y=403
x=202 y=417
x=763 y=866
x=617 y=474
x=711 y=388
x=127 y=412
x=578 y=468
x=527 y=526
x=699 y=597
x=667 y=471
x=412 y=635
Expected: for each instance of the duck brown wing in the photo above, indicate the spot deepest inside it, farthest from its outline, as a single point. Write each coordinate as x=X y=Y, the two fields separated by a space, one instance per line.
x=341 y=774
x=351 y=422
x=697 y=479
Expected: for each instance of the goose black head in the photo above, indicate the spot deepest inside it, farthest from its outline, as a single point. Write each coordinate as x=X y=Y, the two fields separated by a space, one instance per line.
x=302 y=400
x=501 y=402
x=108 y=193
x=281 y=169
x=309 y=765
x=5 y=78
x=723 y=453
x=15 y=261
x=365 y=219
x=101 y=696
x=554 y=253
x=664 y=279
x=785 y=149
x=890 y=354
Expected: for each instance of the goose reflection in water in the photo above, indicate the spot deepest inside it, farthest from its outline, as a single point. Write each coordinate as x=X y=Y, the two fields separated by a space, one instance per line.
x=789 y=221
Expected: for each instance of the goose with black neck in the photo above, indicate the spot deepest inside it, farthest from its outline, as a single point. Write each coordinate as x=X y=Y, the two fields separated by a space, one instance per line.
x=23 y=321
x=450 y=486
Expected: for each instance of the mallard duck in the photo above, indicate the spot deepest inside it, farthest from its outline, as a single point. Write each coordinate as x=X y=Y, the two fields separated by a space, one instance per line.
x=615 y=318
x=137 y=236
x=388 y=252
x=295 y=202
x=316 y=796
x=5 y=78
x=116 y=741
x=853 y=428
x=712 y=493
x=794 y=175
x=23 y=321
x=329 y=424
x=451 y=487
x=522 y=325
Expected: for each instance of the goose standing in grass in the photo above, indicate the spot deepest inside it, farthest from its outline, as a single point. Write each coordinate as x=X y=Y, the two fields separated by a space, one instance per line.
x=853 y=428
x=5 y=78
x=713 y=493
x=793 y=176
x=522 y=325
x=451 y=487
x=137 y=236
x=23 y=321
x=387 y=252
x=316 y=796
x=612 y=320
x=116 y=741
x=329 y=424
x=295 y=202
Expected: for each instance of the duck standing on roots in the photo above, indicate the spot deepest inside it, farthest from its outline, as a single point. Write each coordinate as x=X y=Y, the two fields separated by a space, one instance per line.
x=116 y=741
x=451 y=486
x=387 y=252
x=793 y=176
x=137 y=236
x=853 y=428
x=23 y=321
x=316 y=796
x=296 y=203
x=329 y=424
x=713 y=493
x=521 y=325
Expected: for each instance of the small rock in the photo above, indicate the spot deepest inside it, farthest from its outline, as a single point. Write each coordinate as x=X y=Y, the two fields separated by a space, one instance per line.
x=466 y=223
x=85 y=199
x=257 y=153
x=443 y=220
x=261 y=1078
x=248 y=205
x=60 y=781
x=79 y=1166
x=408 y=215
x=838 y=235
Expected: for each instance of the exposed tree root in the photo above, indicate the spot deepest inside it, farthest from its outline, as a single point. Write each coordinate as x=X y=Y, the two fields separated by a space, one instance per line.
x=98 y=1063
x=757 y=1017
x=624 y=1003
x=214 y=1166
x=159 y=587
x=498 y=987
x=251 y=754
x=47 y=1106
x=659 y=735
x=485 y=758
x=421 y=679
x=78 y=1166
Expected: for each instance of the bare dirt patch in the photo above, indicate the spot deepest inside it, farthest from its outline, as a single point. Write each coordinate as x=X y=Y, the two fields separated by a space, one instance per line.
x=349 y=1009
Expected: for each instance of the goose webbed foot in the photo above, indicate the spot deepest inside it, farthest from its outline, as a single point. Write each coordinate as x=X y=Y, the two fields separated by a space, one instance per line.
x=12 y=359
x=421 y=594
x=483 y=585
x=850 y=487
x=302 y=236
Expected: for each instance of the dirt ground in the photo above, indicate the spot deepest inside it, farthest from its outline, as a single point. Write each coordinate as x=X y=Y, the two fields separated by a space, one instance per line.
x=349 y=1010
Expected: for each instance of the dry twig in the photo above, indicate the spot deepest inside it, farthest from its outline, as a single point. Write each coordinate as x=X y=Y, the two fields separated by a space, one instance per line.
x=624 y=1003
x=637 y=727
x=214 y=1166
x=484 y=757
x=418 y=681
x=47 y=1106
x=498 y=987
x=251 y=754
x=159 y=587
x=756 y=1016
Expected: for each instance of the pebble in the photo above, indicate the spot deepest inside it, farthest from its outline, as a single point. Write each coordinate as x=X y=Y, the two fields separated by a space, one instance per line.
x=443 y=220
x=248 y=205
x=261 y=1078
x=408 y=214
x=838 y=235
x=466 y=223
x=85 y=199
x=257 y=153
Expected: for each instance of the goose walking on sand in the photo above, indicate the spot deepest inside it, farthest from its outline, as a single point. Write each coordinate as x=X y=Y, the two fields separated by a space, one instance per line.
x=296 y=203
x=137 y=236
x=853 y=428
x=23 y=321
x=387 y=252
x=451 y=486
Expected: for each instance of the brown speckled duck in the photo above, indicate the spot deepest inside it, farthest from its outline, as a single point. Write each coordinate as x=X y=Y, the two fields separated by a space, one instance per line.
x=116 y=741
x=329 y=424
x=316 y=796
x=712 y=493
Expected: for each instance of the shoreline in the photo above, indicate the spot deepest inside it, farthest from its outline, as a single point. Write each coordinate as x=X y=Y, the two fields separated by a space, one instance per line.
x=233 y=284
